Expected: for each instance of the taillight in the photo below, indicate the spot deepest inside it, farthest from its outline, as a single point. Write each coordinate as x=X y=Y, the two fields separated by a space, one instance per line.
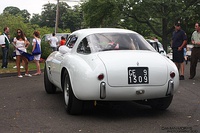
x=101 y=76
x=172 y=74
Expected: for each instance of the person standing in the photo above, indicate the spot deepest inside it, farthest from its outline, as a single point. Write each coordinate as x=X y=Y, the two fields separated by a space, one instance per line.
x=179 y=42
x=62 y=41
x=53 y=41
x=195 y=55
x=21 y=43
x=36 y=35
x=5 y=48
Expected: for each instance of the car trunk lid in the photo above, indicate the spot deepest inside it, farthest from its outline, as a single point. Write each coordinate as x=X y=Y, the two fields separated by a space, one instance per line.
x=130 y=68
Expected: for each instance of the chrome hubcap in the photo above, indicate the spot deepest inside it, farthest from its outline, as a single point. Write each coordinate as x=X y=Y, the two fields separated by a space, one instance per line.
x=66 y=92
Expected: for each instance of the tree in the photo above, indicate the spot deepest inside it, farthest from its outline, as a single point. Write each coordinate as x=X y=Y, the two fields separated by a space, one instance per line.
x=17 y=12
x=101 y=13
x=155 y=16
x=36 y=19
x=48 y=15
x=159 y=16
x=12 y=10
x=26 y=15
x=68 y=18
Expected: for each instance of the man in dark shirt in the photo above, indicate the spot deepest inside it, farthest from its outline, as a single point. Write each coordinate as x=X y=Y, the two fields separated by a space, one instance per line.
x=179 y=42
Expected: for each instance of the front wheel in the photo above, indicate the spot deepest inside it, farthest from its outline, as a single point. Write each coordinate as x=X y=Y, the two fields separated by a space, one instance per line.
x=73 y=105
x=161 y=103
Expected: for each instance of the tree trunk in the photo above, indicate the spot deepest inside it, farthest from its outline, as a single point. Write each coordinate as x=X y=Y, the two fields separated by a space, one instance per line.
x=165 y=40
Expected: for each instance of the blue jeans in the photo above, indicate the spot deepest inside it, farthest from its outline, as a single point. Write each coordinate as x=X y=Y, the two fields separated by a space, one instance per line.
x=4 y=57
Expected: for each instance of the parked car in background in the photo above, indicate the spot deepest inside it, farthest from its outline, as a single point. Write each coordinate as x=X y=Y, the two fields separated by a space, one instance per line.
x=157 y=46
x=46 y=50
x=188 y=53
x=58 y=35
x=108 y=64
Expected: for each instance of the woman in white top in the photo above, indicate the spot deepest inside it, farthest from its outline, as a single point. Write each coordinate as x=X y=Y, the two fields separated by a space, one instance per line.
x=21 y=42
x=36 y=35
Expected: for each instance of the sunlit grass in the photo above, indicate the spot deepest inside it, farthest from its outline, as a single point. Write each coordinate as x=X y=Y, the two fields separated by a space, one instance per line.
x=11 y=64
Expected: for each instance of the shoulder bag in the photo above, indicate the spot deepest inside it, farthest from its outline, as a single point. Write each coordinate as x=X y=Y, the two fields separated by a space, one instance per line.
x=37 y=49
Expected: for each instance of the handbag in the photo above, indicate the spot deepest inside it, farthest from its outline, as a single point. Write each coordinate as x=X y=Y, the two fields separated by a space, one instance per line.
x=37 y=50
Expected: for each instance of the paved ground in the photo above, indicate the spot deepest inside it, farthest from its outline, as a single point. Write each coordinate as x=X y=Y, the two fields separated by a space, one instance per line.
x=26 y=108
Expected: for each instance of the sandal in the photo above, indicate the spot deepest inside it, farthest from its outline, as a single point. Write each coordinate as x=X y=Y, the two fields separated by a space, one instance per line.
x=36 y=74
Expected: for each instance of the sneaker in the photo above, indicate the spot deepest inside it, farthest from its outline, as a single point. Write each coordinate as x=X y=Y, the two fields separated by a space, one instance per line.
x=28 y=75
x=21 y=67
x=20 y=76
x=15 y=67
x=181 y=77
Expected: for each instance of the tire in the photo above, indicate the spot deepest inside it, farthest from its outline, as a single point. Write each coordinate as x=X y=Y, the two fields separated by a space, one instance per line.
x=161 y=103
x=73 y=105
x=49 y=87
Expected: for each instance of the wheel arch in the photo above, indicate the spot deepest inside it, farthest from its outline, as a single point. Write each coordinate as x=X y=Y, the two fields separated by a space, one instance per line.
x=63 y=71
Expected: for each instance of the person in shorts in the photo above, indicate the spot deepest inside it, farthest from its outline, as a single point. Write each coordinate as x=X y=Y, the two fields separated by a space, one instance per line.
x=21 y=43
x=179 y=42
x=36 y=35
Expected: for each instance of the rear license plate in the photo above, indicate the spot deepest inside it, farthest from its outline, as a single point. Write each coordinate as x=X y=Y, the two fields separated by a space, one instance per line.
x=138 y=75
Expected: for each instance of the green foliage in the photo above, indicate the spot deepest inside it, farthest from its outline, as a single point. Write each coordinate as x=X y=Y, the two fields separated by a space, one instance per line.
x=13 y=22
x=147 y=17
x=101 y=13
x=69 y=19
x=46 y=50
x=48 y=15
x=17 y=12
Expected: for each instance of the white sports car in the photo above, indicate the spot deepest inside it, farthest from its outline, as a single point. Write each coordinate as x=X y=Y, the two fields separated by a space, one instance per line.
x=108 y=64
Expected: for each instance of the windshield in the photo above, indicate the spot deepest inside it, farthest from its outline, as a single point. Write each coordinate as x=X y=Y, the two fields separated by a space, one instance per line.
x=117 y=41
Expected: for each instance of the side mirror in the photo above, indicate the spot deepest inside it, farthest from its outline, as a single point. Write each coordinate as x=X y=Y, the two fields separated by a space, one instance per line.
x=64 y=49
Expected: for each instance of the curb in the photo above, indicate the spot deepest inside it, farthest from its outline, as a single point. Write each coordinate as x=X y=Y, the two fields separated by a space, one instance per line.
x=3 y=75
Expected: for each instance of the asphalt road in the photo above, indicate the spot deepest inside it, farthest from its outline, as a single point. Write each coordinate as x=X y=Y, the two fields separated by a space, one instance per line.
x=25 y=107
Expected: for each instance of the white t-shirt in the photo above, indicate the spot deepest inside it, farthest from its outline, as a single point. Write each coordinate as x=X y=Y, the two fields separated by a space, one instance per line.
x=53 y=41
x=38 y=40
x=20 y=44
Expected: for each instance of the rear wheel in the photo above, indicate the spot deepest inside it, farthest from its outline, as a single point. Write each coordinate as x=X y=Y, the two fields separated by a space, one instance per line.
x=73 y=105
x=49 y=87
x=161 y=103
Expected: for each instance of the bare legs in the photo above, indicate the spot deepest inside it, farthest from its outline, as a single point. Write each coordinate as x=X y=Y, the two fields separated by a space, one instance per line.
x=181 y=69
x=18 y=60
x=37 y=62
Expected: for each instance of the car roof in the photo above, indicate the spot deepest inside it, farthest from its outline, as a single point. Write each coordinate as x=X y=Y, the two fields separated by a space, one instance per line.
x=90 y=31
x=46 y=36
x=150 y=40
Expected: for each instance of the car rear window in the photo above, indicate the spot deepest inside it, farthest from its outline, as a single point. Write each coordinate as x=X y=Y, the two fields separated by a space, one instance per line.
x=116 y=41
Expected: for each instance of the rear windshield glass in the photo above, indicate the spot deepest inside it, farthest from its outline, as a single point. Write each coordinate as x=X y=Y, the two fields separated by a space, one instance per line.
x=116 y=41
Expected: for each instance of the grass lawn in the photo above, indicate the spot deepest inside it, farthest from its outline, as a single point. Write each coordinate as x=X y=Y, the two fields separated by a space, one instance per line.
x=11 y=64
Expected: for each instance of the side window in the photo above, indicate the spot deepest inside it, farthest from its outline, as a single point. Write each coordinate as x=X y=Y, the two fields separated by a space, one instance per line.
x=71 y=41
x=83 y=47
